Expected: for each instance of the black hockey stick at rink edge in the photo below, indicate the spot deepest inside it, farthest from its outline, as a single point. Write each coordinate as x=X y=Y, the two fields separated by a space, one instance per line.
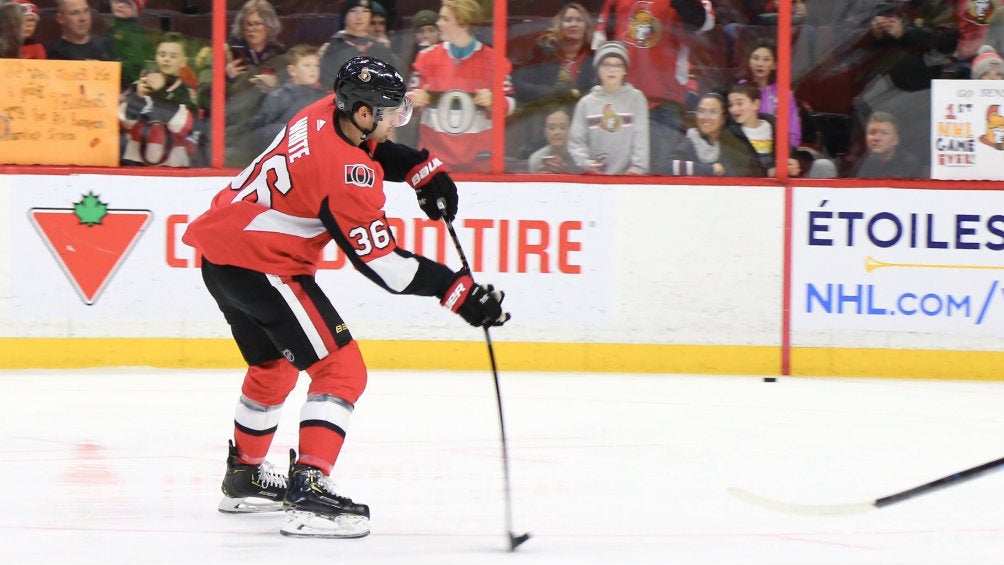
x=856 y=507
x=514 y=540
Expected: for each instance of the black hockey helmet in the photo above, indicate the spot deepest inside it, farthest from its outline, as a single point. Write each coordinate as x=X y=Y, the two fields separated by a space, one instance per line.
x=370 y=82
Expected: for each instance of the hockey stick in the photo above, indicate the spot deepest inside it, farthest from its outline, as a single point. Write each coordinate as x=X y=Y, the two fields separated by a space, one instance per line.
x=514 y=540
x=857 y=507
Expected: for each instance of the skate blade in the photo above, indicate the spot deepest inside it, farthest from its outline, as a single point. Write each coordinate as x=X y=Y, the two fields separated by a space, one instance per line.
x=229 y=505
x=301 y=524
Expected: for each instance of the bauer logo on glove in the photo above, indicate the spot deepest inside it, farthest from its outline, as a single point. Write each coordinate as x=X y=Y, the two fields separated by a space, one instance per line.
x=480 y=305
x=431 y=183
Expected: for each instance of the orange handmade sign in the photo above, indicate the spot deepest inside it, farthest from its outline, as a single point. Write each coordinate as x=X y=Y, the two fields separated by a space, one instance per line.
x=59 y=112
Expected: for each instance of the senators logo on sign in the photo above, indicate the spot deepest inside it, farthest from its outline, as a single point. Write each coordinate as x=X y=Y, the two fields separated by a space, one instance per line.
x=360 y=175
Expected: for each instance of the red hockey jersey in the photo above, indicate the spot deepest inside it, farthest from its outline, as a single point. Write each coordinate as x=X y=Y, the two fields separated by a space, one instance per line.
x=657 y=41
x=452 y=127
x=310 y=186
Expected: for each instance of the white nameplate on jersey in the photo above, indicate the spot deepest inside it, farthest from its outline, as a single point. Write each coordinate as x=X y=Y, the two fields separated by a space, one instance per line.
x=297 y=144
x=360 y=175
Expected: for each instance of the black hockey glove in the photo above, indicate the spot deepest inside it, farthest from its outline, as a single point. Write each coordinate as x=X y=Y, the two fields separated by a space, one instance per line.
x=430 y=181
x=480 y=305
x=691 y=12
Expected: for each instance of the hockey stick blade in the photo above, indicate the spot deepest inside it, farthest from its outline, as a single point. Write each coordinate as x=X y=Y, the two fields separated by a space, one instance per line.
x=515 y=541
x=794 y=508
x=858 y=507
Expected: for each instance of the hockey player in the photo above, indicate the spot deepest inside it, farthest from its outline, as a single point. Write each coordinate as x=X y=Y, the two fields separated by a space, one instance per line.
x=320 y=179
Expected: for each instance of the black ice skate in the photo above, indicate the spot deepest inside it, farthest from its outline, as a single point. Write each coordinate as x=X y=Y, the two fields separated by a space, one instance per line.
x=251 y=488
x=315 y=509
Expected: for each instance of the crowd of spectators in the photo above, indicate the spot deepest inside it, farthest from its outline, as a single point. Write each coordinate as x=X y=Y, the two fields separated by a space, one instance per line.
x=679 y=83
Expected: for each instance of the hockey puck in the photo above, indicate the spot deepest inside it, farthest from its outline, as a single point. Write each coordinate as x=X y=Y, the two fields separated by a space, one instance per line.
x=769 y=379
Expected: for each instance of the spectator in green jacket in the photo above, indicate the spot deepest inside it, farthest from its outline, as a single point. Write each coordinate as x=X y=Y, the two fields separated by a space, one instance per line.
x=130 y=41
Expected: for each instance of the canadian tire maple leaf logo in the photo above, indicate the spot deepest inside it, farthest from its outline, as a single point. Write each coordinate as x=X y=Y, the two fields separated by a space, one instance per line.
x=89 y=241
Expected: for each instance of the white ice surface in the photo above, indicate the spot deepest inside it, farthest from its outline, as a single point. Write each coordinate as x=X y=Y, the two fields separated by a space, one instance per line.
x=122 y=466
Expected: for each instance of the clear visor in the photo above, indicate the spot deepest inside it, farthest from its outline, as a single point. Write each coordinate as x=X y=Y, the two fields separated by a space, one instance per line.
x=397 y=117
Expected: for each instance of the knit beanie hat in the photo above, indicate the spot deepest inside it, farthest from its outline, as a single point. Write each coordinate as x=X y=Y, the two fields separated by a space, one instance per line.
x=30 y=9
x=349 y=4
x=987 y=60
x=377 y=9
x=611 y=49
x=424 y=18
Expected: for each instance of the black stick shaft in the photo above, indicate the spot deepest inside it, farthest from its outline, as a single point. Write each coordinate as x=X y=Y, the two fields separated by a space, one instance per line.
x=939 y=483
x=498 y=389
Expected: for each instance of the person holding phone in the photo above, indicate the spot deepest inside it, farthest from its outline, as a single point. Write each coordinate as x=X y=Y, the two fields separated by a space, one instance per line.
x=256 y=65
x=158 y=111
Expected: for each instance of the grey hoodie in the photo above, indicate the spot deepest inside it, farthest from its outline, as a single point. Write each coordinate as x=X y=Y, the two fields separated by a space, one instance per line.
x=611 y=126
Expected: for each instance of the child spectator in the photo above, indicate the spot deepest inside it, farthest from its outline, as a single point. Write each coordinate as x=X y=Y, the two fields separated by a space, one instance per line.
x=352 y=41
x=710 y=149
x=30 y=48
x=757 y=130
x=554 y=157
x=158 y=113
x=658 y=36
x=302 y=89
x=128 y=38
x=426 y=32
x=987 y=65
x=378 y=23
x=609 y=133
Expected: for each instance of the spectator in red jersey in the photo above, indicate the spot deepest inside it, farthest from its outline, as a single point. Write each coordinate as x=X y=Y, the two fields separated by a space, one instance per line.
x=452 y=84
x=30 y=48
x=261 y=243
x=658 y=37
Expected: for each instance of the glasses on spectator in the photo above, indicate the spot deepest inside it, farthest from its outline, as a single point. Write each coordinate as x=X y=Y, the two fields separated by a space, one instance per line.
x=610 y=65
x=254 y=25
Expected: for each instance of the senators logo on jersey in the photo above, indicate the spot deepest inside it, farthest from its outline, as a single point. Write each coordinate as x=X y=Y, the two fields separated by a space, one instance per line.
x=644 y=29
x=359 y=175
x=979 y=11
